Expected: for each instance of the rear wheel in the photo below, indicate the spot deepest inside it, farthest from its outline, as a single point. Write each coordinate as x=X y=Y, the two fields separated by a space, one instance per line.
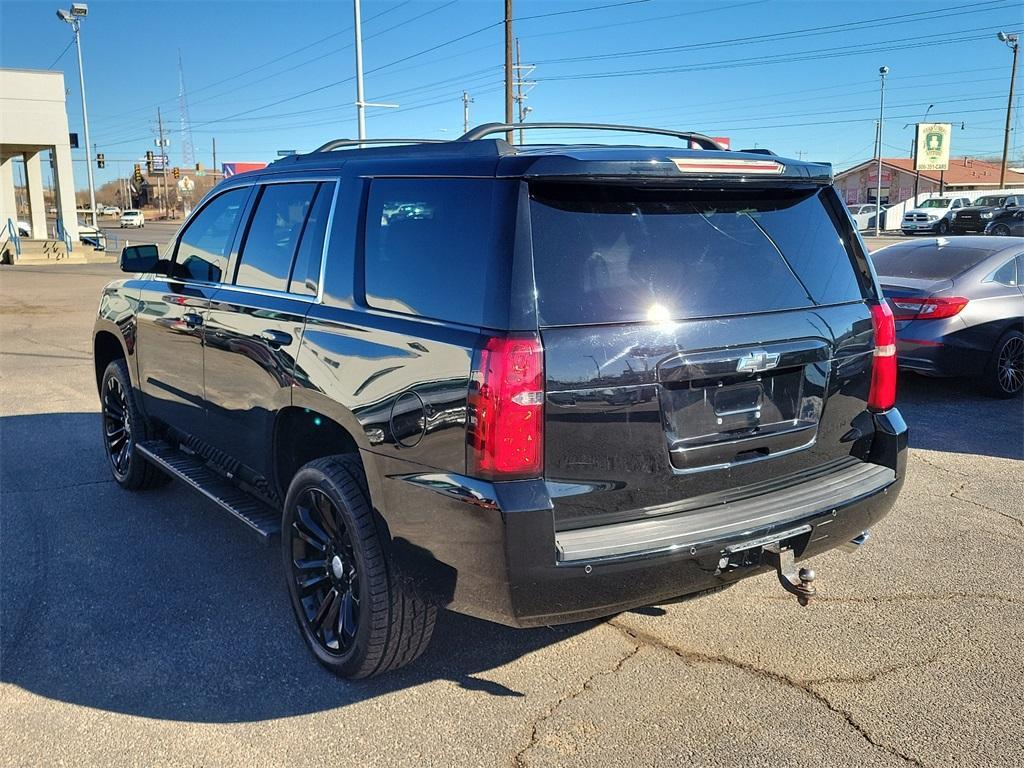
x=354 y=613
x=943 y=228
x=124 y=426
x=1004 y=374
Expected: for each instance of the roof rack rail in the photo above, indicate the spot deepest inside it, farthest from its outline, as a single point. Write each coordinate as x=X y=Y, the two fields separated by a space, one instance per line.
x=705 y=142
x=340 y=143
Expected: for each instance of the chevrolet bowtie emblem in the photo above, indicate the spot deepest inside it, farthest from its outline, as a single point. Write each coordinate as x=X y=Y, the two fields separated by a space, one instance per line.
x=757 y=361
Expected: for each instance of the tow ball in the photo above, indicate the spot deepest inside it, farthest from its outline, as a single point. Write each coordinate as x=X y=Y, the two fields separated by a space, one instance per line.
x=799 y=583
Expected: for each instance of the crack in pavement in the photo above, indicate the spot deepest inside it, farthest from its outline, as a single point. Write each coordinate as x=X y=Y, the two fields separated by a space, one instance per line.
x=919 y=457
x=806 y=687
x=873 y=676
x=517 y=759
x=908 y=597
x=953 y=495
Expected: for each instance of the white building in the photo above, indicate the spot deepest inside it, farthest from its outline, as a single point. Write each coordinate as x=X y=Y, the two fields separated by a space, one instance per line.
x=34 y=119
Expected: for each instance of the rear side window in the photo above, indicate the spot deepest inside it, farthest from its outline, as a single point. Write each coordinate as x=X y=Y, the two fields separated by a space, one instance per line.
x=306 y=272
x=273 y=236
x=926 y=261
x=616 y=254
x=440 y=248
x=205 y=245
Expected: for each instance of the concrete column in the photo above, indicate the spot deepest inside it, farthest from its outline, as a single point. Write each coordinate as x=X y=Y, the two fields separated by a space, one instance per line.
x=36 y=202
x=8 y=202
x=64 y=178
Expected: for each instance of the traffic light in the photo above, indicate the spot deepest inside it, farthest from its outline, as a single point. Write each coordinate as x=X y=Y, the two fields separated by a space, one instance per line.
x=100 y=161
x=177 y=173
x=199 y=167
x=138 y=174
x=149 y=163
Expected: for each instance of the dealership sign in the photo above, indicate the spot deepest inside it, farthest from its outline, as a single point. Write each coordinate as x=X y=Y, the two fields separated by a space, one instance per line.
x=230 y=169
x=932 y=148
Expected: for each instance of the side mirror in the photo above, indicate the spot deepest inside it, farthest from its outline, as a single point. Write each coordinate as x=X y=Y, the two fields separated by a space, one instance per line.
x=140 y=258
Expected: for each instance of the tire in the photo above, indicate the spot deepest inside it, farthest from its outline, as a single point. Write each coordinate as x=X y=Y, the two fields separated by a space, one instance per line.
x=1000 y=230
x=1004 y=373
x=124 y=426
x=356 y=616
x=943 y=227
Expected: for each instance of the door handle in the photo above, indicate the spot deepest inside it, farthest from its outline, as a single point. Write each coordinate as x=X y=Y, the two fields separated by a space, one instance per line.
x=192 y=320
x=275 y=338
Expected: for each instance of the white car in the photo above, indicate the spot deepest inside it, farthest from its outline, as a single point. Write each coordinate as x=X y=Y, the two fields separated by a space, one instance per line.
x=864 y=215
x=933 y=215
x=110 y=210
x=24 y=229
x=133 y=218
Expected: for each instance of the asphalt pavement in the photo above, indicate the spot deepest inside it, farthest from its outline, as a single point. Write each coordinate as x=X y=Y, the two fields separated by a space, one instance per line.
x=151 y=629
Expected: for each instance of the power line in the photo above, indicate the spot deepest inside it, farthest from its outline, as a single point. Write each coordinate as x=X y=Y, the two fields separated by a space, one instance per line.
x=61 y=56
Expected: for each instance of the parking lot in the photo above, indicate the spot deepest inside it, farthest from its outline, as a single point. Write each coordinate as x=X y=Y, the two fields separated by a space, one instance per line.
x=152 y=629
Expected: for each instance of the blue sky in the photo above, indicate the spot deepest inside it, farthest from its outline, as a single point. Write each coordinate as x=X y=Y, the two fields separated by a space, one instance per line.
x=797 y=77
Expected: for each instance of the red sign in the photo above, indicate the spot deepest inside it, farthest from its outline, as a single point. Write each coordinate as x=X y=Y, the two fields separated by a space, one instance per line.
x=230 y=169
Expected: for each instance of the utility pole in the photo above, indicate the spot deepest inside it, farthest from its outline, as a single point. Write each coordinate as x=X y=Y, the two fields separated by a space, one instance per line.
x=163 y=164
x=214 y=160
x=1013 y=41
x=360 y=104
x=882 y=72
x=520 y=98
x=466 y=101
x=508 y=67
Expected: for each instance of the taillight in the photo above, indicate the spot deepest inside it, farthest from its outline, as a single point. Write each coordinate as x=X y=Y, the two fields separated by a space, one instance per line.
x=882 y=395
x=505 y=428
x=927 y=309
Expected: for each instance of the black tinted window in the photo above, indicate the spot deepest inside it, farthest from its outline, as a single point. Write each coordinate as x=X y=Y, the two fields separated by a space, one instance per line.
x=266 y=258
x=926 y=260
x=306 y=272
x=615 y=254
x=440 y=248
x=205 y=244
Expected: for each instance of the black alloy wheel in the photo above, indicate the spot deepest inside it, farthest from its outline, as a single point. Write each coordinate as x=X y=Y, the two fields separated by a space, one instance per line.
x=1004 y=374
x=355 y=613
x=117 y=427
x=325 y=572
x=124 y=427
x=1001 y=230
x=943 y=227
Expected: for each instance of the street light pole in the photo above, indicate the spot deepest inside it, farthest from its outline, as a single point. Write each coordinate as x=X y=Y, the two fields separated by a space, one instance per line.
x=882 y=72
x=1013 y=42
x=360 y=104
x=73 y=17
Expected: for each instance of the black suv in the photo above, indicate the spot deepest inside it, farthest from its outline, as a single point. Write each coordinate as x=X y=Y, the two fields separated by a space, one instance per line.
x=977 y=216
x=534 y=384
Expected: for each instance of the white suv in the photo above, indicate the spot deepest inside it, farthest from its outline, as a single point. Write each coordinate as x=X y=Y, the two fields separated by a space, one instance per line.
x=933 y=215
x=132 y=218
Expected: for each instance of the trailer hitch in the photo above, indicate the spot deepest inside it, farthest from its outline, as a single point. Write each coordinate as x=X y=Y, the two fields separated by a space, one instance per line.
x=799 y=583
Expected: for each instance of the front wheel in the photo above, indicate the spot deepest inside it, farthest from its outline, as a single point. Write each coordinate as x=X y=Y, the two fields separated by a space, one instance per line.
x=943 y=228
x=357 y=617
x=124 y=426
x=1004 y=374
x=1000 y=230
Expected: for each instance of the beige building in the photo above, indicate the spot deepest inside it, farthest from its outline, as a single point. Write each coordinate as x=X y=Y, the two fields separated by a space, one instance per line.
x=859 y=183
x=34 y=126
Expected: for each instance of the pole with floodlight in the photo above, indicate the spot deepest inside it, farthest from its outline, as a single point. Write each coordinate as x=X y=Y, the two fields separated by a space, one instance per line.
x=1013 y=43
x=882 y=72
x=74 y=17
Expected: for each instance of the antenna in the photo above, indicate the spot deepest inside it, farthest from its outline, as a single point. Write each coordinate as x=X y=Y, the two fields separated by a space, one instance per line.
x=188 y=155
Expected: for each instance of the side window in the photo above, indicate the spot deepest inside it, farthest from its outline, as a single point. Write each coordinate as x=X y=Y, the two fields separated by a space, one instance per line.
x=306 y=272
x=273 y=235
x=204 y=246
x=440 y=248
x=1007 y=274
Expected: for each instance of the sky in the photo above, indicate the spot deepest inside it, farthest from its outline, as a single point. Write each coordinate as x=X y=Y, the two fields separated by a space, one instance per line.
x=800 y=78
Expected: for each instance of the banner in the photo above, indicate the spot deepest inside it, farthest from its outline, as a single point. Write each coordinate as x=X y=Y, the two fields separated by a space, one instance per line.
x=932 y=148
x=230 y=169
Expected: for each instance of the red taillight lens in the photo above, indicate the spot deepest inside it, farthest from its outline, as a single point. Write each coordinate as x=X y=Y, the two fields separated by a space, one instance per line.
x=882 y=395
x=505 y=430
x=927 y=309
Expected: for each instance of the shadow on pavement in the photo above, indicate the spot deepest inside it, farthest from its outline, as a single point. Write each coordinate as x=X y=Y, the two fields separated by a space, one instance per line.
x=159 y=605
x=951 y=415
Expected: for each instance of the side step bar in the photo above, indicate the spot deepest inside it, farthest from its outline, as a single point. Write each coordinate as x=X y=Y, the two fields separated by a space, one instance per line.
x=260 y=517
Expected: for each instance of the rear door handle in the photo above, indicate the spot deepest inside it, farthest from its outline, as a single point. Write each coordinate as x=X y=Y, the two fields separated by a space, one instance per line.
x=192 y=320
x=275 y=338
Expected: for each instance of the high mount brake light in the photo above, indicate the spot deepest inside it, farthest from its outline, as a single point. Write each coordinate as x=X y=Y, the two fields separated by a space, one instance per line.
x=728 y=166
x=505 y=428
x=934 y=308
x=882 y=395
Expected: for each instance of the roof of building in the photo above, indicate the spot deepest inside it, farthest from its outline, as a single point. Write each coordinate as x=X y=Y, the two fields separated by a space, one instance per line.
x=962 y=171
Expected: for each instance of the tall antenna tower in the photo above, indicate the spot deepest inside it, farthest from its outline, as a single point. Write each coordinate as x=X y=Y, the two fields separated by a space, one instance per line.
x=188 y=155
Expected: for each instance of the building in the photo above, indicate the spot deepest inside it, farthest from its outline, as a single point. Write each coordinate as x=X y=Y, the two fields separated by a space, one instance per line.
x=858 y=184
x=34 y=130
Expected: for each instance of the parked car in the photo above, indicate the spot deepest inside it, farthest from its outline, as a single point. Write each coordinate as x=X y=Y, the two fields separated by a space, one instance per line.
x=933 y=216
x=983 y=210
x=864 y=215
x=92 y=236
x=959 y=308
x=532 y=384
x=24 y=229
x=133 y=218
x=110 y=210
x=1008 y=222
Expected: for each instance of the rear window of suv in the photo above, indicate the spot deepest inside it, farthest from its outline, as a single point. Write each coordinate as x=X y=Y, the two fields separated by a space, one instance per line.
x=607 y=254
